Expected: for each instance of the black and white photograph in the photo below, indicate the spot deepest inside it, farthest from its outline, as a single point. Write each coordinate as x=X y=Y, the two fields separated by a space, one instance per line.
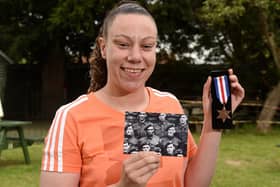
x=163 y=133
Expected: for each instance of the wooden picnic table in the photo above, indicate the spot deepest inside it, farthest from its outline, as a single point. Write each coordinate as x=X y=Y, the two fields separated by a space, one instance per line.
x=7 y=142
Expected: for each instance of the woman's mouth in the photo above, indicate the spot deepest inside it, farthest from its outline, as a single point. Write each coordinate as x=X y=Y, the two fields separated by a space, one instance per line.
x=133 y=70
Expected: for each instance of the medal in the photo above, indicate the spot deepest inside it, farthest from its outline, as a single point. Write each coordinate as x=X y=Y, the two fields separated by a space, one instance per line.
x=223 y=114
x=223 y=94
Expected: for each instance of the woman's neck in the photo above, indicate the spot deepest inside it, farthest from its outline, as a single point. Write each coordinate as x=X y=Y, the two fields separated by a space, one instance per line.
x=124 y=101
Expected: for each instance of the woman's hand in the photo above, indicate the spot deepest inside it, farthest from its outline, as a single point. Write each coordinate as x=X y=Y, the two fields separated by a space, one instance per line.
x=237 y=95
x=202 y=166
x=237 y=91
x=138 y=169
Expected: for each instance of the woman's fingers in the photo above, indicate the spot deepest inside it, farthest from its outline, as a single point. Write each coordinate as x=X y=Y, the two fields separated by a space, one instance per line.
x=237 y=91
x=206 y=88
x=142 y=159
x=206 y=97
x=140 y=167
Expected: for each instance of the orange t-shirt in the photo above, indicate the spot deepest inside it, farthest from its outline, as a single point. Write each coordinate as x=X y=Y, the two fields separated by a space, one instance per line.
x=86 y=137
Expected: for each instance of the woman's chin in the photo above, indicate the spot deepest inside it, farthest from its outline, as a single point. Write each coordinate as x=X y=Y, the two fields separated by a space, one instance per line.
x=133 y=87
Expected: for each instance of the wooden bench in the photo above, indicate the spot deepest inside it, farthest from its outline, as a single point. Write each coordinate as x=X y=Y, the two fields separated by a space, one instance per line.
x=14 y=142
x=7 y=142
x=246 y=113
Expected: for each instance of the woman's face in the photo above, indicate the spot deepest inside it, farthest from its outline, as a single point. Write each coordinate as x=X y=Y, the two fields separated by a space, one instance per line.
x=130 y=52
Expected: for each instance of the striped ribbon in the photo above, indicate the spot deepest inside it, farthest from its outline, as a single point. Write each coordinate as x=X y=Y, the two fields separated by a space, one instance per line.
x=222 y=88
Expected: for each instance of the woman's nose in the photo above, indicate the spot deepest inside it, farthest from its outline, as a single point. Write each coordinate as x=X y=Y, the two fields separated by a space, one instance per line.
x=135 y=55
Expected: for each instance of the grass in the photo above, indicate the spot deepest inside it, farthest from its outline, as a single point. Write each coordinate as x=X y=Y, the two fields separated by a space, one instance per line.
x=15 y=173
x=246 y=158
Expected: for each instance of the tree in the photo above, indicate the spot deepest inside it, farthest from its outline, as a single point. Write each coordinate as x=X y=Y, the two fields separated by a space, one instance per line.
x=82 y=19
x=55 y=32
x=27 y=38
x=249 y=30
x=270 y=30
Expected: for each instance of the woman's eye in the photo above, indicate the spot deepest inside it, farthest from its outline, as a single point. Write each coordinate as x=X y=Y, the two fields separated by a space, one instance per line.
x=123 y=45
x=148 y=46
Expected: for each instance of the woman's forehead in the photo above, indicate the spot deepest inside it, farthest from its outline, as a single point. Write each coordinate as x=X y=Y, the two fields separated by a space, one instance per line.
x=133 y=25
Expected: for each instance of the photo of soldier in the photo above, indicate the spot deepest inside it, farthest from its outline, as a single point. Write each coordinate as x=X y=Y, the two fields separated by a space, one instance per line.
x=156 y=132
x=182 y=128
x=169 y=149
x=145 y=146
x=171 y=137
x=130 y=136
x=150 y=136
x=161 y=124
x=179 y=153
x=139 y=124
x=126 y=146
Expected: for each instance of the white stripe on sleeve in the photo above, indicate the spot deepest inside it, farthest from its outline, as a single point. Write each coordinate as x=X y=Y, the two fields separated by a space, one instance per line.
x=50 y=145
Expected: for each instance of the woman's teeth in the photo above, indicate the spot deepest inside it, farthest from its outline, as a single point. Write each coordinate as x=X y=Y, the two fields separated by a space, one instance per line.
x=133 y=70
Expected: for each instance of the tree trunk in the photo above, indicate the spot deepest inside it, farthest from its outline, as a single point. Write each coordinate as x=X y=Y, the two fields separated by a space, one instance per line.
x=268 y=110
x=273 y=98
x=53 y=94
x=270 y=39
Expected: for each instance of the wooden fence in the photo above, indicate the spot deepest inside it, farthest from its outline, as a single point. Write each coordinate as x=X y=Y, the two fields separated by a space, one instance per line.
x=246 y=113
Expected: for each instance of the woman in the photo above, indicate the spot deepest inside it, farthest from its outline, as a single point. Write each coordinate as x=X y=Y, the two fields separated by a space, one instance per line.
x=84 y=144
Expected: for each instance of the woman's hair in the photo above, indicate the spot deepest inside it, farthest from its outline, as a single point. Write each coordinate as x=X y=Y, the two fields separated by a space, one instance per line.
x=98 y=68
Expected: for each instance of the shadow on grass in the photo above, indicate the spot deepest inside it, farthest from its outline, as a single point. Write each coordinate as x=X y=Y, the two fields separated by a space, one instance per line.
x=6 y=163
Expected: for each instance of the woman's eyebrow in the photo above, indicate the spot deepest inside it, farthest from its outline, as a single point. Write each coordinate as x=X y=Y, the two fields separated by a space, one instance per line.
x=131 y=38
x=121 y=35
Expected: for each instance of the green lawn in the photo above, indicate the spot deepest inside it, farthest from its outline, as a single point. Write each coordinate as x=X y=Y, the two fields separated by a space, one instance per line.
x=13 y=171
x=248 y=159
x=245 y=159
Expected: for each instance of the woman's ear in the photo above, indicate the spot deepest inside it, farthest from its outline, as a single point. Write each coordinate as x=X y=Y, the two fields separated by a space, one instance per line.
x=102 y=46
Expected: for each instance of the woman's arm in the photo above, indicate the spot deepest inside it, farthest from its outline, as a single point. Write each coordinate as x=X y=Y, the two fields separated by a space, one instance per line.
x=201 y=168
x=55 y=179
x=137 y=170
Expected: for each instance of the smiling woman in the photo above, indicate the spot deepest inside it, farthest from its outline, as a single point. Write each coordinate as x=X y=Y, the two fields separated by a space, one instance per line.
x=84 y=146
x=130 y=52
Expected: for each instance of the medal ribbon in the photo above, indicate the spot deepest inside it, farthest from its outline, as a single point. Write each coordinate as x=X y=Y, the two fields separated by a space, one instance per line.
x=222 y=88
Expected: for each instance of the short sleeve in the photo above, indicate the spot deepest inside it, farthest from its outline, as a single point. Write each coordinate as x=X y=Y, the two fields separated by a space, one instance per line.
x=192 y=147
x=61 y=152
